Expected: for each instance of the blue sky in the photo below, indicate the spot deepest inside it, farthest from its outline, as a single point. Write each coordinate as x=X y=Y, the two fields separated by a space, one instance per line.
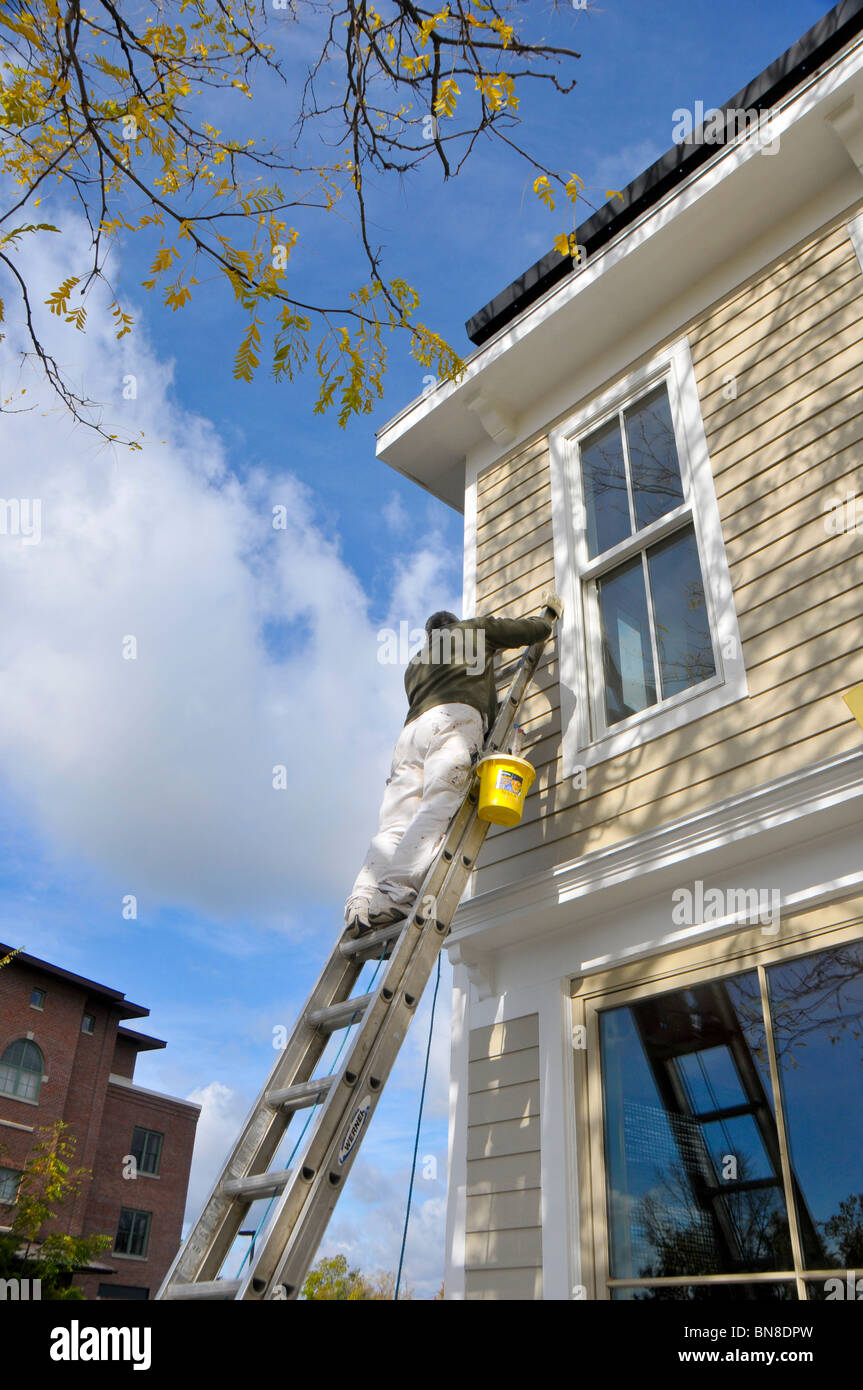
x=256 y=647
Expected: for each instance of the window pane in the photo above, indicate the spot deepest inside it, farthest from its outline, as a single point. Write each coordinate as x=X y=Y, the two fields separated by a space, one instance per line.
x=679 y=614
x=9 y=1180
x=626 y=651
x=676 y=1205
x=817 y=1008
x=655 y=469
x=146 y=1148
x=605 y=496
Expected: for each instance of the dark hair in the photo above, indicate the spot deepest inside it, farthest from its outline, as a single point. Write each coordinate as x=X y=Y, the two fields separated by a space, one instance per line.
x=441 y=619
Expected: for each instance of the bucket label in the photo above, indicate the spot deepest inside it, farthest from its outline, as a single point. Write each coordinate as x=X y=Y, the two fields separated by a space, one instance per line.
x=358 y=1119
x=508 y=781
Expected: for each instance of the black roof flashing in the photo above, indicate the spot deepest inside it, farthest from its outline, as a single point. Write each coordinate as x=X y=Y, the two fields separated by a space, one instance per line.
x=804 y=57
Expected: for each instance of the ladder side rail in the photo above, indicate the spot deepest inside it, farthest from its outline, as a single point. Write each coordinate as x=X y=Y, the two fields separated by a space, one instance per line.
x=208 y=1243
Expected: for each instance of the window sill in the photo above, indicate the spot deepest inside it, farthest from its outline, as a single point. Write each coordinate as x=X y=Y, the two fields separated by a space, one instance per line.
x=647 y=725
x=139 y=1259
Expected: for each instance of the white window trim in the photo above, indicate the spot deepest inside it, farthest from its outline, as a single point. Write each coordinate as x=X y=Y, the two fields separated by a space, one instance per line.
x=579 y=748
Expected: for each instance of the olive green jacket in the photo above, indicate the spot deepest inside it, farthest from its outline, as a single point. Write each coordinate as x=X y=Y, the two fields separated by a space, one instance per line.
x=456 y=665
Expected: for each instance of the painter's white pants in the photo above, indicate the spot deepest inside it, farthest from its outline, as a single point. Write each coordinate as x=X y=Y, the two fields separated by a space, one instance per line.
x=430 y=772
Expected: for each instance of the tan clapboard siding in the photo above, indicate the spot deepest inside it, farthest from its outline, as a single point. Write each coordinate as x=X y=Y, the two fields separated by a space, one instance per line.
x=837 y=413
x=567 y=834
x=491 y=510
x=771 y=422
x=503 y=1214
x=511 y=1173
x=778 y=307
x=806 y=519
x=494 y=530
x=707 y=737
x=503 y=1249
x=757 y=377
x=795 y=386
x=799 y=600
x=514 y=1102
x=508 y=548
x=504 y=1211
x=810 y=259
x=508 y=1069
x=760 y=588
x=752 y=501
x=516 y=1285
x=814 y=330
x=728 y=762
x=788 y=445
x=512 y=470
x=521 y=595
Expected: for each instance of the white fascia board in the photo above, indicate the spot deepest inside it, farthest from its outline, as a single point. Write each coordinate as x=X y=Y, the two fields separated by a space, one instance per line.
x=733 y=214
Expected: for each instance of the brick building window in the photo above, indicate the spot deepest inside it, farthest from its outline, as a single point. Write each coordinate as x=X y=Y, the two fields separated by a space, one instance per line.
x=21 y=1070
x=133 y=1232
x=147 y=1149
x=88 y=1023
x=9 y=1180
x=37 y=999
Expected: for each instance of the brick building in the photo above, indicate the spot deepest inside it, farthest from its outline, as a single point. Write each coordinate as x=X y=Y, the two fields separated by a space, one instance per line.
x=65 y=1055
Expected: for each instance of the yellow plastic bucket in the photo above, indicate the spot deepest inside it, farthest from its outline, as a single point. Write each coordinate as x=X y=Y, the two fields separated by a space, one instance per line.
x=504 y=782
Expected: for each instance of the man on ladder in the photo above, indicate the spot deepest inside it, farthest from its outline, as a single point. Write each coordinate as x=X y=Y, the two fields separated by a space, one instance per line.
x=452 y=703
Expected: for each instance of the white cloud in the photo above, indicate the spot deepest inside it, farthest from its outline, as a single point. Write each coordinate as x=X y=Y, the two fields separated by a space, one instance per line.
x=254 y=650
x=223 y=1111
x=397 y=517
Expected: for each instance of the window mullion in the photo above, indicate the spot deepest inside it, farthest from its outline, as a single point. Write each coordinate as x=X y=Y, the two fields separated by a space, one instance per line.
x=627 y=469
x=784 y=1151
x=653 y=646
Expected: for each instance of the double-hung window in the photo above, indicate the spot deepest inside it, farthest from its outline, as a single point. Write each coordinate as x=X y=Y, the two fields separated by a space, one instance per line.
x=650 y=636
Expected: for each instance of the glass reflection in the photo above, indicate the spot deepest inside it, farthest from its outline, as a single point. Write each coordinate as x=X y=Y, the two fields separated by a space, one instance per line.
x=605 y=494
x=626 y=651
x=656 y=484
x=816 y=1003
x=680 y=614
x=693 y=1168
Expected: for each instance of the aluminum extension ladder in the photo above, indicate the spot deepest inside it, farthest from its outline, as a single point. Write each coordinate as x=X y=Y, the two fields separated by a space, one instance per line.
x=307 y=1193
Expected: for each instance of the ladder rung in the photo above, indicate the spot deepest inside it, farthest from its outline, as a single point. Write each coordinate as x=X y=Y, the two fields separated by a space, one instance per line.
x=257 y=1185
x=205 y=1289
x=370 y=941
x=339 y=1015
x=301 y=1095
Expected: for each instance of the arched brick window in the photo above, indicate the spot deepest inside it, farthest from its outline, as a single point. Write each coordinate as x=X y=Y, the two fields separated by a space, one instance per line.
x=21 y=1069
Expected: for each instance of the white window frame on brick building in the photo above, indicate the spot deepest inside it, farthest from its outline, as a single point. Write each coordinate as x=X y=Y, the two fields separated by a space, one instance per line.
x=586 y=738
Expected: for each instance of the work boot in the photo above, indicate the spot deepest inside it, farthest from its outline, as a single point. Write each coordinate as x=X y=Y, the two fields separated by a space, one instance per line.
x=357 y=916
x=383 y=912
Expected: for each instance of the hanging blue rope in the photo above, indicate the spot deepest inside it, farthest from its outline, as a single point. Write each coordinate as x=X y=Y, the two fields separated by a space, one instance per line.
x=417 y=1135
